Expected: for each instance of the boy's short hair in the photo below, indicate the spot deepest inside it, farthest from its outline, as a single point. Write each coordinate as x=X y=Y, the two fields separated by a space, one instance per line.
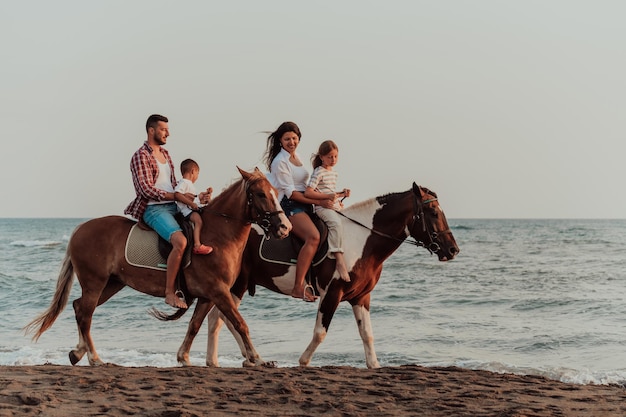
x=187 y=165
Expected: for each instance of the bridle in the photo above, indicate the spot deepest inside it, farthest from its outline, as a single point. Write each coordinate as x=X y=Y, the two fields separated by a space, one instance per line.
x=418 y=215
x=262 y=218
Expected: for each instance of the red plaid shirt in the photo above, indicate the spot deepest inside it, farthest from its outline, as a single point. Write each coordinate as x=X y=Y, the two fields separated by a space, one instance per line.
x=144 y=169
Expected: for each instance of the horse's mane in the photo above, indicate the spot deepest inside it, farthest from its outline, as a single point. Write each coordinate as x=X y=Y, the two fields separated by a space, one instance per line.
x=227 y=191
x=360 y=206
x=366 y=205
x=237 y=183
x=392 y=196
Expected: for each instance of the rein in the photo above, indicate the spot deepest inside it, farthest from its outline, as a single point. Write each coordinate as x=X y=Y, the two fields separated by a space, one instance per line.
x=418 y=213
x=377 y=232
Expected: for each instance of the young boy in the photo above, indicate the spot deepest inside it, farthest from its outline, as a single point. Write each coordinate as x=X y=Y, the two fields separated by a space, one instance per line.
x=187 y=205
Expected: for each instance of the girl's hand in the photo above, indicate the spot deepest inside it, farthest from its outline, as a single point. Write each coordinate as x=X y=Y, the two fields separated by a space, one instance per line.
x=328 y=203
x=345 y=193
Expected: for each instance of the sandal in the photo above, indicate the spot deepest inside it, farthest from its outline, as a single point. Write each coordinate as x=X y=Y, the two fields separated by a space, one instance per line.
x=202 y=250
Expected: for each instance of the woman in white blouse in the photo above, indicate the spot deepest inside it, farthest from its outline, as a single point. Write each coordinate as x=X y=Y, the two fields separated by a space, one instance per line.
x=290 y=177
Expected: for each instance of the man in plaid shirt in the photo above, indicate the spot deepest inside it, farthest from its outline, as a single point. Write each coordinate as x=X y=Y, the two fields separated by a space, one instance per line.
x=154 y=180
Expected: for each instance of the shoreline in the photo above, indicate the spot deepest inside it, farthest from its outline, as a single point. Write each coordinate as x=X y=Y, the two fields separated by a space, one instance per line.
x=62 y=390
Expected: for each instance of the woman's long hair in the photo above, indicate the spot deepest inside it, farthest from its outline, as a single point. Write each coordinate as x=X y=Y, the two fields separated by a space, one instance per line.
x=273 y=141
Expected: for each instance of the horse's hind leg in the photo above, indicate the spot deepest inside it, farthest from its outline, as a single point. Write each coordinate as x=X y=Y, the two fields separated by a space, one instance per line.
x=83 y=310
x=200 y=312
x=326 y=311
x=112 y=288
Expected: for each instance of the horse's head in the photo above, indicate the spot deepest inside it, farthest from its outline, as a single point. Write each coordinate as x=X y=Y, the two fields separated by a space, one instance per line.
x=264 y=208
x=429 y=225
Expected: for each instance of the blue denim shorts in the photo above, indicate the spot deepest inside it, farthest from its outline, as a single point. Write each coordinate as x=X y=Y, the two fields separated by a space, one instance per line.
x=291 y=207
x=160 y=217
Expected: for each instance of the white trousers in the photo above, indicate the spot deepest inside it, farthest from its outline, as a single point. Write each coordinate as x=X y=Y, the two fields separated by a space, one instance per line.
x=335 y=229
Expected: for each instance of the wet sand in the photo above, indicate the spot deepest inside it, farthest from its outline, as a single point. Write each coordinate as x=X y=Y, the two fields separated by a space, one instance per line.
x=110 y=390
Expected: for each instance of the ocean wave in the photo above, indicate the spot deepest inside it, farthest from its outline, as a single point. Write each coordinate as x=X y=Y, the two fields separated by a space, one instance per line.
x=35 y=243
x=30 y=356
x=567 y=375
x=461 y=227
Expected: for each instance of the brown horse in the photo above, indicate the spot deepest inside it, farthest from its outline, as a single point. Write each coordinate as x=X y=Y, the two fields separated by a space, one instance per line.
x=96 y=253
x=373 y=230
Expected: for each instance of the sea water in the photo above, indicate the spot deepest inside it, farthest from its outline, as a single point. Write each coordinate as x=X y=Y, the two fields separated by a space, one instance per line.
x=539 y=297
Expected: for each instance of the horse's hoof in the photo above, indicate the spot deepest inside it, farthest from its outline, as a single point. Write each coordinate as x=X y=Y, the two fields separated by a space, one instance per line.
x=259 y=363
x=74 y=358
x=95 y=362
x=249 y=364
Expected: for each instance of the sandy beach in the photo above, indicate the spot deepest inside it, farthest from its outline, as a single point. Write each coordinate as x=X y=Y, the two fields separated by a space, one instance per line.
x=55 y=390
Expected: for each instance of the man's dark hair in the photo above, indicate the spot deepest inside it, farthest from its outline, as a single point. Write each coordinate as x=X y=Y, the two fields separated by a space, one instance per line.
x=154 y=120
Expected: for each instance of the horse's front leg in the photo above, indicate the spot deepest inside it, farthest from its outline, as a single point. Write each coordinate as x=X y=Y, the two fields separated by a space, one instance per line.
x=225 y=303
x=202 y=308
x=215 y=320
x=361 y=312
x=326 y=311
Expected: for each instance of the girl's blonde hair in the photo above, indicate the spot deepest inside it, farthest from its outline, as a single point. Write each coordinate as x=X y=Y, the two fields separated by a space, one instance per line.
x=324 y=149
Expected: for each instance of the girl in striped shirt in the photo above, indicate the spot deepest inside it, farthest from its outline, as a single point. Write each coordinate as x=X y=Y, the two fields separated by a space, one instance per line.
x=322 y=185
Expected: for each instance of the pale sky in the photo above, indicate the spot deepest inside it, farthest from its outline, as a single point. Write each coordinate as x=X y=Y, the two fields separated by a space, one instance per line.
x=507 y=109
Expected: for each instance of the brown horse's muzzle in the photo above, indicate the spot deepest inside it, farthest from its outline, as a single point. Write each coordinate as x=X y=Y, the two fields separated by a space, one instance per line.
x=282 y=227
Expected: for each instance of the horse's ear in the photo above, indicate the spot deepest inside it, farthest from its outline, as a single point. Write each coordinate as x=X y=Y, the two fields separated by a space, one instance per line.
x=256 y=169
x=417 y=191
x=244 y=174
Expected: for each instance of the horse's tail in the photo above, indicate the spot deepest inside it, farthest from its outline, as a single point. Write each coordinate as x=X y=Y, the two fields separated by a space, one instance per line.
x=59 y=301
x=158 y=314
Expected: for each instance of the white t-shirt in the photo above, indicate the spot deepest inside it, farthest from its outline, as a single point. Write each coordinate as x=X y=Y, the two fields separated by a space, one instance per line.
x=163 y=181
x=185 y=186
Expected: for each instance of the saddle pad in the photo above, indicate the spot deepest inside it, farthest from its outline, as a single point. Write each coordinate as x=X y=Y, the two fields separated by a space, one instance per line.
x=280 y=251
x=142 y=250
x=283 y=251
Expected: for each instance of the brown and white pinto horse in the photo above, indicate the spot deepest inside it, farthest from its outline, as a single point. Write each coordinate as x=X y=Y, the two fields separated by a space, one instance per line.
x=95 y=253
x=373 y=230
